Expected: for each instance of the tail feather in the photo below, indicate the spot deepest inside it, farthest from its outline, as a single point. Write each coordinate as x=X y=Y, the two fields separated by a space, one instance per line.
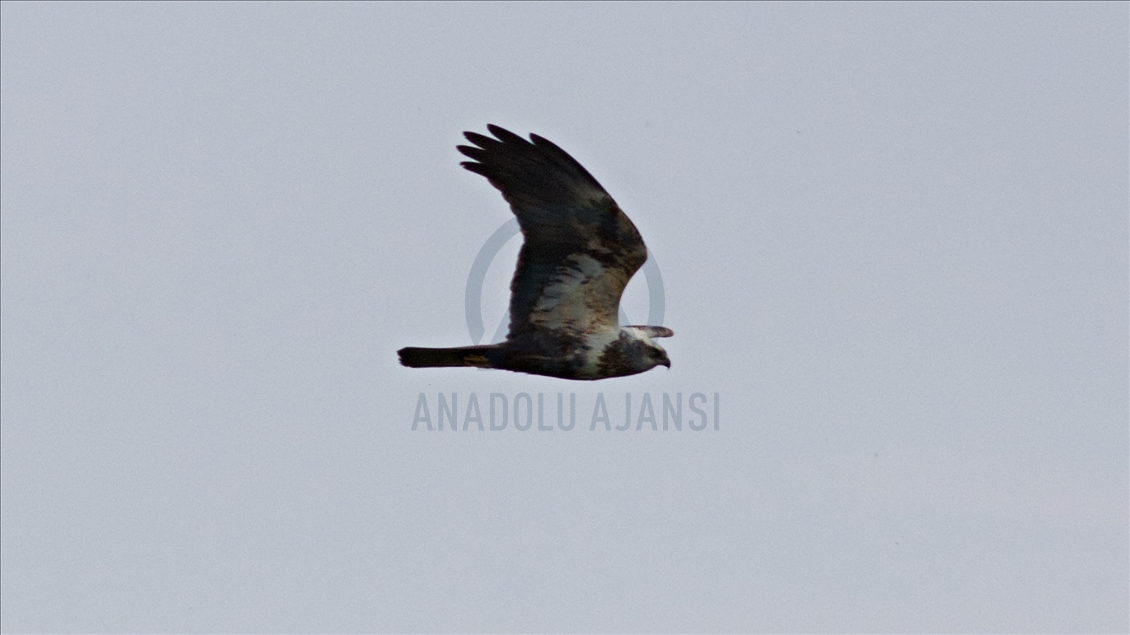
x=414 y=357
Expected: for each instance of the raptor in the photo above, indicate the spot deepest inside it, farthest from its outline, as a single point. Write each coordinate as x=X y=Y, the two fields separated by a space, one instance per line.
x=579 y=252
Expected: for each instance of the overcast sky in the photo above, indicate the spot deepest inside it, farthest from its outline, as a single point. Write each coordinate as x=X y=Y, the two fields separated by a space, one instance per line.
x=893 y=241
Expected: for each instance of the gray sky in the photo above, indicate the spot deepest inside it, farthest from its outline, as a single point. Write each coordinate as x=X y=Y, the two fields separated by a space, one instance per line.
x=893 y=239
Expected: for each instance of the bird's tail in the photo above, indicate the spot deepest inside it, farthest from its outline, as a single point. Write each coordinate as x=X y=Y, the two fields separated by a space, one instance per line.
x=431 y=357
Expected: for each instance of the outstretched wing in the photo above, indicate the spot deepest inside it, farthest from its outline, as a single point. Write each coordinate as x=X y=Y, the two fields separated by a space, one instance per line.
x=580 y=249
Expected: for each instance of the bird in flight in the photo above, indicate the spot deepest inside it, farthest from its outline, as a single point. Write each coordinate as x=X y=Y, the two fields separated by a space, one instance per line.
x=579 y=252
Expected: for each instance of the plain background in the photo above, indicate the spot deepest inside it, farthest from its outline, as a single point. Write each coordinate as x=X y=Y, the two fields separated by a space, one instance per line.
x=893 y=238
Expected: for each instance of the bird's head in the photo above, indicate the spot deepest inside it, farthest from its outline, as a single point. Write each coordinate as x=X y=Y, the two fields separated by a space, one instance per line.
x=646 y=352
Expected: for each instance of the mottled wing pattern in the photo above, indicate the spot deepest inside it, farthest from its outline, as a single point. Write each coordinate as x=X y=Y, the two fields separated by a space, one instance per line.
x=580 y=249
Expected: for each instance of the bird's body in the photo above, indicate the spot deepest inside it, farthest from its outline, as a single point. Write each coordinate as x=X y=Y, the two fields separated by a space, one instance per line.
x=580 y=250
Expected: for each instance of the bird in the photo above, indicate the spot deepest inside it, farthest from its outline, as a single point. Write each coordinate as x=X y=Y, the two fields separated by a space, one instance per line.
x=579 y=250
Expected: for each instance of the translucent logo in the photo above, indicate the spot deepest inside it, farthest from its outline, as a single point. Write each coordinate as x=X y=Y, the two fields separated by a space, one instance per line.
x=490 y=249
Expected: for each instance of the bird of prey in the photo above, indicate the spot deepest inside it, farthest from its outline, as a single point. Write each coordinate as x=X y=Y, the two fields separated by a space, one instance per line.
x=579 y=252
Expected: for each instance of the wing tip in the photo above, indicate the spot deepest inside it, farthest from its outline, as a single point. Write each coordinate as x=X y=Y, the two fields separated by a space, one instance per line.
x=502 y=134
